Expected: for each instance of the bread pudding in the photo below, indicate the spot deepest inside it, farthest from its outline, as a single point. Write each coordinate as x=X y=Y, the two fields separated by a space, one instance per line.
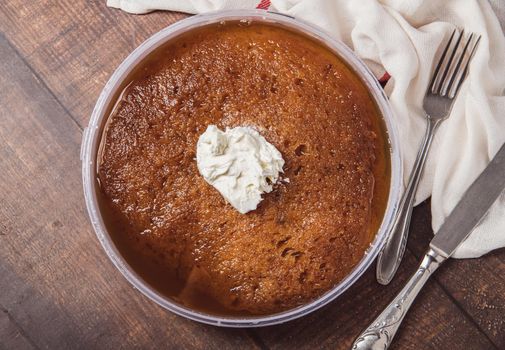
x=308 y=233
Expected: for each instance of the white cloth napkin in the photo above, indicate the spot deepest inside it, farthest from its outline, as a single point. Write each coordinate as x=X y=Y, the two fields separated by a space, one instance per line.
x=401 y=37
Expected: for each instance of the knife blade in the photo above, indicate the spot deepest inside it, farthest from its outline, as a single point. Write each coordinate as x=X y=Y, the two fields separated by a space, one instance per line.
x=472 y=207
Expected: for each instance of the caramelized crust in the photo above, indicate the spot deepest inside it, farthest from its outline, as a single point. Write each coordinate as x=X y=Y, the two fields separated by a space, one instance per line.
x=179 y=233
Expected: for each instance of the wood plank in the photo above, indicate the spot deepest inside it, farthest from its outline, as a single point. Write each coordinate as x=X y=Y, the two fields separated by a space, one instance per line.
x=477 y=285
x=11 y=335
x=74 y=46
x=57 y=284
x=433 y=322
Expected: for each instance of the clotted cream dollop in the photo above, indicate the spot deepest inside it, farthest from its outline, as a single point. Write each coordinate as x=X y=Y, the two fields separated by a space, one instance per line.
x=239 y=163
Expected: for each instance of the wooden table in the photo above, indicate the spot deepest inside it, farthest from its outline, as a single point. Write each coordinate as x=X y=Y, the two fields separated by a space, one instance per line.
x=58 y=290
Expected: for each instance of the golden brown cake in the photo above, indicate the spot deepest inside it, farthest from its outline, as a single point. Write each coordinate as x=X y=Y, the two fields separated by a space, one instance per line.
x=177 y=231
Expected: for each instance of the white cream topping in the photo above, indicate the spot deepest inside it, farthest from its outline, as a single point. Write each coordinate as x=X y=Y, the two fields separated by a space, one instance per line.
x=239 y=163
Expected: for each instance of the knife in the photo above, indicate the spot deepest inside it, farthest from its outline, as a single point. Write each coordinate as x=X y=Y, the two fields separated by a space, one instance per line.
x=459 y=224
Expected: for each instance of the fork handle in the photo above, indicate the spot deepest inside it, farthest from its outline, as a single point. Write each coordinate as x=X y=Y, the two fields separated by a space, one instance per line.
x=380 y=333
x=391 y=255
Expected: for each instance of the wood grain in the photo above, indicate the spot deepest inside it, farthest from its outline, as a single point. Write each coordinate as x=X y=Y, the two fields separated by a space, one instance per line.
x=58 y=289
x=476 y=285
x=12 y=335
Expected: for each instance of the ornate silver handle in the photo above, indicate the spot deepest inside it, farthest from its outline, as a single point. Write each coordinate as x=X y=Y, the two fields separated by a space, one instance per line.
x=391 y=255
x=380 y=333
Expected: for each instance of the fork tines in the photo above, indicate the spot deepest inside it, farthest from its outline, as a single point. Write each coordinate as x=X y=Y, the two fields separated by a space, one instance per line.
x=452 y=67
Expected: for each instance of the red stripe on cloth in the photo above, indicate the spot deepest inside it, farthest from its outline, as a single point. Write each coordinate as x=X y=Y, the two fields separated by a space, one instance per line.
x=384 y=79
x=263 y=5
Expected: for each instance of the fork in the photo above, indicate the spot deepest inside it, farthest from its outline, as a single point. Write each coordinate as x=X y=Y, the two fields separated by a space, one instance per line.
x=447 y=79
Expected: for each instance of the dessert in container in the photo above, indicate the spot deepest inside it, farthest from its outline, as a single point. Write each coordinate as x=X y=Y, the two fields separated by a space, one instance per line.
x=92 y=137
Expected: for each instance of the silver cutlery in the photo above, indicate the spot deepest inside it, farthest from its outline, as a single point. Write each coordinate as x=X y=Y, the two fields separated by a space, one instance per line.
x=446 y=81
x=459 y=224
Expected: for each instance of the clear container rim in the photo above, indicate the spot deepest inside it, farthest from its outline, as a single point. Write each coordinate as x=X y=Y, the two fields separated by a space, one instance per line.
x=92 y=137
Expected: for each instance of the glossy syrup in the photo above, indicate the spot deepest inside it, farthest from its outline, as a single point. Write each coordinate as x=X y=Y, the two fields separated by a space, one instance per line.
x=168 y=281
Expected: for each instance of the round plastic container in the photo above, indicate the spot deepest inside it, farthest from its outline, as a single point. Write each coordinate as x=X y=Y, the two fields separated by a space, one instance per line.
x=93 y=133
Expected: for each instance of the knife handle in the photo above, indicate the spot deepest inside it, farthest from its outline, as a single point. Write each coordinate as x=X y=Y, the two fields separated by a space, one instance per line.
x=382 y=330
